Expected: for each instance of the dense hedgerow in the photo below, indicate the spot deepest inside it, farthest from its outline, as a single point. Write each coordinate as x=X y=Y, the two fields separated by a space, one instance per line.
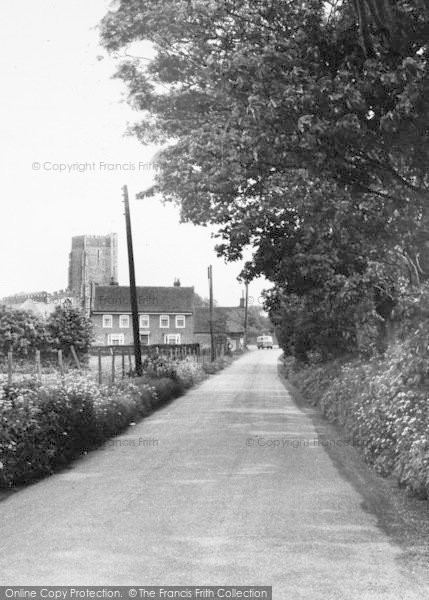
x=383 y=404
x=43 y=427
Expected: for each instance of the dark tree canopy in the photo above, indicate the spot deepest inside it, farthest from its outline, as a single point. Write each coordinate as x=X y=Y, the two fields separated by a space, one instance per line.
x=248 y=90
x=298 y=127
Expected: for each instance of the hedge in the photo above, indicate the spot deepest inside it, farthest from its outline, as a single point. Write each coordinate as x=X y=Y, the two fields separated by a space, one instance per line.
x=383 y=405
x=45 y=426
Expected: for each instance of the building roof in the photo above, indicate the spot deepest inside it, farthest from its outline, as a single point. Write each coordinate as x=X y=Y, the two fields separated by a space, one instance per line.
x=116 y=298
x=226 y=320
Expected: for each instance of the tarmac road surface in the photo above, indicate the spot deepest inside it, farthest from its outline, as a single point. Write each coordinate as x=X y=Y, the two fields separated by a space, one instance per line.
x=235 y=483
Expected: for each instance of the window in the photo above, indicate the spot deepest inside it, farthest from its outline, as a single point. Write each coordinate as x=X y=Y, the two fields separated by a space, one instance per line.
x=180 y=321
x=172 y=338
x=124 y=321
x=144 y=321
x=115 y=339
x=164 y=321
x=144 y=338
x=107 y=321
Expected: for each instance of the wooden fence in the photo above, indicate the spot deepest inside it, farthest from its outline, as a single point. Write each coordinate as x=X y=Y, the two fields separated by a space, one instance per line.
x=119 y=363
x=40 y=364
x=106 y=364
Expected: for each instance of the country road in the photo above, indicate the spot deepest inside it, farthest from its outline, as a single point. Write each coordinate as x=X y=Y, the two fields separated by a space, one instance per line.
x=235 y=483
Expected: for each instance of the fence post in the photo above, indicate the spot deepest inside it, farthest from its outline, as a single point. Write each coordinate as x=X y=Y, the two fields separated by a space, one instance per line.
x=9 y=367
x=123 y=364
x=100 y=371
x=60 y=362
x=130 y=362
x=75 y=358
x=38 y=366
x=112 y=351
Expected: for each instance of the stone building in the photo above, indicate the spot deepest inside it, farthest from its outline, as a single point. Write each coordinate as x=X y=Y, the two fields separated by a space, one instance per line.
x=93 y=260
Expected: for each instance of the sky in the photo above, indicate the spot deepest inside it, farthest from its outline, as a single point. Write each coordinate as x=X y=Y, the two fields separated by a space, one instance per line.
x=65 y=157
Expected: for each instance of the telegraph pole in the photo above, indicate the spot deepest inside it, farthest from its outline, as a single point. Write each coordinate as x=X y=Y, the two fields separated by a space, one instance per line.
x=133 y=289
x=246 y=315
x=212 y=343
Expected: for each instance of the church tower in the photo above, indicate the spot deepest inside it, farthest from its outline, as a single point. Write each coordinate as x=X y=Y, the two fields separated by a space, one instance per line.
x=93 y=260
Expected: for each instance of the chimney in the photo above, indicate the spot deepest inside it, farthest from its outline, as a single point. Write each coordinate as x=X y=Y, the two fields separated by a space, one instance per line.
x=242 y=303
x=176 y=282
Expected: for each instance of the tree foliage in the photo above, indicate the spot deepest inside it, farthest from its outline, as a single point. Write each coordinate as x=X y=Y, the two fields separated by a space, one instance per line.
x=21 y=332
x=255 y=89
x=300 y=128
x=258 y=323
x=69 y=326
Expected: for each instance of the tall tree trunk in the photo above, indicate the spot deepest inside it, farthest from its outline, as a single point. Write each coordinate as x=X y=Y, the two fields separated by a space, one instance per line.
x=381 y=15
x=365 y=36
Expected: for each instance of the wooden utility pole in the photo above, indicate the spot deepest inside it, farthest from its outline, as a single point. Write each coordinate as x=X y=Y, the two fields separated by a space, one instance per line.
x=246 y=315
x=212 y=341
x=133 y=289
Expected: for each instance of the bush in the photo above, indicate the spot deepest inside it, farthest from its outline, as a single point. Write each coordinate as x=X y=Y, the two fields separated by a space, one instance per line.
x=189 y=373
x=166 y=389
x=186 y=372
x=155 y=367
x=217 y=365
x=43 y=427
x=21 y=332
x=383 y=406
x=69 y=326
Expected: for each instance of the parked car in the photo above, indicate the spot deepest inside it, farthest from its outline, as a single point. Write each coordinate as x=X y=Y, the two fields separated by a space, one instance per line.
x=264 y=341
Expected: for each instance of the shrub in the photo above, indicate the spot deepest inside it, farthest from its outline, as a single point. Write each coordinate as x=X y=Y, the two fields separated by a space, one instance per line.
x=69 y=326
x=189 y=373
x=186 y=371
x=43 y=427
x=155 y=367
x=166 y=389
x=383 y=406
x=215 y=366
x=21 y=332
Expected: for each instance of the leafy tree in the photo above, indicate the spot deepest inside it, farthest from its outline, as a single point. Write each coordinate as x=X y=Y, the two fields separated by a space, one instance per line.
x=21 y=332
x=256 y=88
x=272 y=111
x=258 y=323
x=69 y=326
x=199 y=301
